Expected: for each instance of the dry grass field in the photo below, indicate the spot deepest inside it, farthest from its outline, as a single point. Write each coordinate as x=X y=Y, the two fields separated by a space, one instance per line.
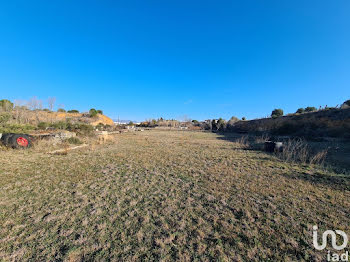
x=164 y=195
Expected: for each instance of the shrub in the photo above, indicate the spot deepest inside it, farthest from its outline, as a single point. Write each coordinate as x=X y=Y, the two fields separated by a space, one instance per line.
x=93 y=112
x=195 y=122
x=80 y=128
x=6 y=105
x=207 y=125
x=100 y=126
x=243 y=141
x=61 y=125
x=100 y=112
x=73 y=111
x=277 y=113
x=16 y=128
x=330 y=108
x=43 y=125
x=231 y=123
x=233 y=119
x=310 y=109
x=300 y=111
x=287 y=128
x=297 y=150
x=221 y=125
x=347 y=102
x=61 y=110
x=74 y=141
x=152 y=123
x=83 y=129
x=4 y=118
x=244 y=119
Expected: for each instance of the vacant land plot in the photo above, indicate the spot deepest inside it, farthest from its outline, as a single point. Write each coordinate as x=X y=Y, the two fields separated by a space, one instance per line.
x=161 y=195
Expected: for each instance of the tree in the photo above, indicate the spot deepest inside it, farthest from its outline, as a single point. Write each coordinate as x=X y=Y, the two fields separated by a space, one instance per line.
x=207 y=125
x=51 y=102
x=244 y=119
x=21 y=114
x=233 y=120
x=184 y=118
x=300 y=111
x=221 y=124
x=277 y=113
x=61 y=110
x=35 y=104
x=100 y=112
x=195 y=123
x=230 y=124
x=310 y=109
x=6 y=105
x=93 y=112
x=73 y=111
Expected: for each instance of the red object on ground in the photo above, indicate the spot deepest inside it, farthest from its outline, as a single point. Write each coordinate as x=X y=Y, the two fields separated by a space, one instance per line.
x=21 y=141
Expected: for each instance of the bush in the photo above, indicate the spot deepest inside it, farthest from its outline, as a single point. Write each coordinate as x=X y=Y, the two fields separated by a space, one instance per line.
x=297 y=150
x=61 y=110
x=300 y=111
x=207 y=125
x=73 y=111
x=233 y=119
x=43 y=125
x=100 y=126
x=93 y=112
x=287 y=128
x=277 y=113
x=231 y=123
x=244 y=119
x=60 y=125
x=82 y=129
x=79 y=128
x=74 y=141
x=219 y=125
x=100 y=112
x=195 y=123
x=4 y=118
x=6 y=105
x=16 y=128
x=310 y=109
x=347 y=102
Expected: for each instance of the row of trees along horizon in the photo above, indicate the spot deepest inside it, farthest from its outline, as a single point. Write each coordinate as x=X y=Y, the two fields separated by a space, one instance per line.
x=35 y=104
x=223 y=125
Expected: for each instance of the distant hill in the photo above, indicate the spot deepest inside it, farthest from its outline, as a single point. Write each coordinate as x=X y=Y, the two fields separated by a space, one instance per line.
x=332 y=123
x=34 y=117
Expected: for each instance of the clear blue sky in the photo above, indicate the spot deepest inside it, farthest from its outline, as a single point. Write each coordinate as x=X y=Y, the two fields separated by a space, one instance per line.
x=203 y=59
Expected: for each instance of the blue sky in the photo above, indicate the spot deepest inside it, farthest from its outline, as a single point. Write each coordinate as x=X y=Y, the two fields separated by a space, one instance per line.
x=203 y=59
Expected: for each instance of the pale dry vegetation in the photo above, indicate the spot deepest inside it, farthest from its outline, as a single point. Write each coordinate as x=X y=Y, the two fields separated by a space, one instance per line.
x=161 y=195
